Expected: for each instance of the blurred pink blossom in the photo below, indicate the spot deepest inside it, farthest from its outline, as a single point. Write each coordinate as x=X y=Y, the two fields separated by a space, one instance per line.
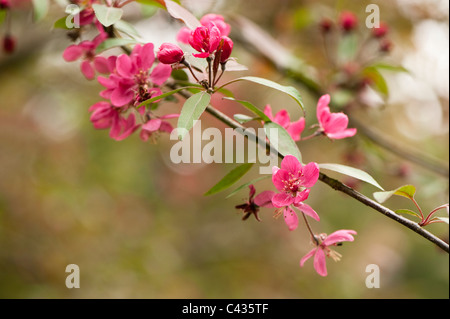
x=282 y=118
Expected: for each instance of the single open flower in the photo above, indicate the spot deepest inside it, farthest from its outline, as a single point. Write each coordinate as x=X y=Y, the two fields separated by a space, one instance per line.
x=333 y=125
x=293 y=181
x=91 y=61
x=282 y=118
x=322 y=249
x=205 y=40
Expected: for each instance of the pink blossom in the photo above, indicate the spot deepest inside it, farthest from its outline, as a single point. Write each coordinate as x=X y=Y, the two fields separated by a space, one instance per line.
x=218 y=21
x=134 y=79
x=205 y=40
x=293 y=181
x=104 y=116
x=282 y=118
x=333 y=125
x=206 y=21
x=323 y=250
x=170 y=53
x=157 y=125
x=91 y=62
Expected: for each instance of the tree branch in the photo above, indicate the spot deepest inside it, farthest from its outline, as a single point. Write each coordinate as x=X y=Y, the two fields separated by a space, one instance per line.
x=335 y=184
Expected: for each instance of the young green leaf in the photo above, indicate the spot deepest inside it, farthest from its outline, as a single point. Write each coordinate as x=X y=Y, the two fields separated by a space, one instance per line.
x=162 y=96
x=289 y=90
x=281 y=140
x=377 y=78
x=107 y=15
x=232 y=177
x=192 y=109
x=112 y=43
x=126 y=28
x=252 y=108
x=407 y=211
x=407 y=191
x=242 y=118
x=351 y=171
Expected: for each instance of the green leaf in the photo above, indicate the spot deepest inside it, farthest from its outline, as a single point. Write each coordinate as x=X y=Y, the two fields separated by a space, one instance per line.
x=252 y=108
x=247 y=184
x=281 y=141
x=389 y=67
x=407 y=191
x=112 y=43
x=289 y=90
x=2 y=16
x=351 y=171
x=107 y=15
x=192 y=109
x=242 y=118
x=126 y=28
x=377 y=78
x=162 y=96
x=61 y=24
x=347 y=47
x=40 y=9
x=229 y=179
x=407 y=211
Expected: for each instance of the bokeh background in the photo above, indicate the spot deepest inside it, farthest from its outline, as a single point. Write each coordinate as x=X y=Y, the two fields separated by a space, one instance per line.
x=139 y=226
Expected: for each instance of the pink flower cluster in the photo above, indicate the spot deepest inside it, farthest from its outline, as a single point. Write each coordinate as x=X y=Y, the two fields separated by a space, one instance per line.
x=210 y=40
x=293 y=182
x=128 y=79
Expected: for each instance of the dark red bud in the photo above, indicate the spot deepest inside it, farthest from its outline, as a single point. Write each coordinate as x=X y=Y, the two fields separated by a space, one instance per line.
x=348 y=21
x=381 y=31
x=227 y=47
x=326 y=25
x=9 y=44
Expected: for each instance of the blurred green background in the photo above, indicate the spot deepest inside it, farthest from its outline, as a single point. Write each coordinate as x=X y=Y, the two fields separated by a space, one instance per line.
x=139 y=226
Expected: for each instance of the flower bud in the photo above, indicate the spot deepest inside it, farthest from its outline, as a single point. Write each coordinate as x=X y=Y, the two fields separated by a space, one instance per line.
x=9 y=44
x=227 y=47
x=386 y=46
x=381 y=31
x=170 y=53
x=348 y=21
x=4 y=4
x=326 y=25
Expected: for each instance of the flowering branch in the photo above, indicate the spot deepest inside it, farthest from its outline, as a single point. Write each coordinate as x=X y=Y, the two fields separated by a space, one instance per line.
x=335 y=184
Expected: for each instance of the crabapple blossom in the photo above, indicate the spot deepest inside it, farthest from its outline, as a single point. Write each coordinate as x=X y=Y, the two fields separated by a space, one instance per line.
x=293 y=181
x=322 y=249
x=282 y=118
x=104 y=116
x=86 y=50
x=207 y=20
x=205 y=40
x=333 y=125
x=134 y=79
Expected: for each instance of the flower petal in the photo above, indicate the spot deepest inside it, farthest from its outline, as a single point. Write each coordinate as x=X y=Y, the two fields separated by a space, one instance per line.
x=282 y=199
x=282 y=118
x=264 y=199
x=160 y=74
x=320 y=264
x=307 y=256
x=295 y=129
x=279 y=178
x=309 y=174
x=73 y=52
x=291 y=165
x=343 y=134
x=88 y=70
x=339 y=236
x=291 y=218
x=307 y=210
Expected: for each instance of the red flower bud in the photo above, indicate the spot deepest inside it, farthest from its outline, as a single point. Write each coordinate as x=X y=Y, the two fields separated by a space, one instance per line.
x=348 y=21
x=4 y=4
x=386 y=46
x=9 y=44
x=326 y=25
x=381 y=31
x=170 y=53
x=227 y=47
